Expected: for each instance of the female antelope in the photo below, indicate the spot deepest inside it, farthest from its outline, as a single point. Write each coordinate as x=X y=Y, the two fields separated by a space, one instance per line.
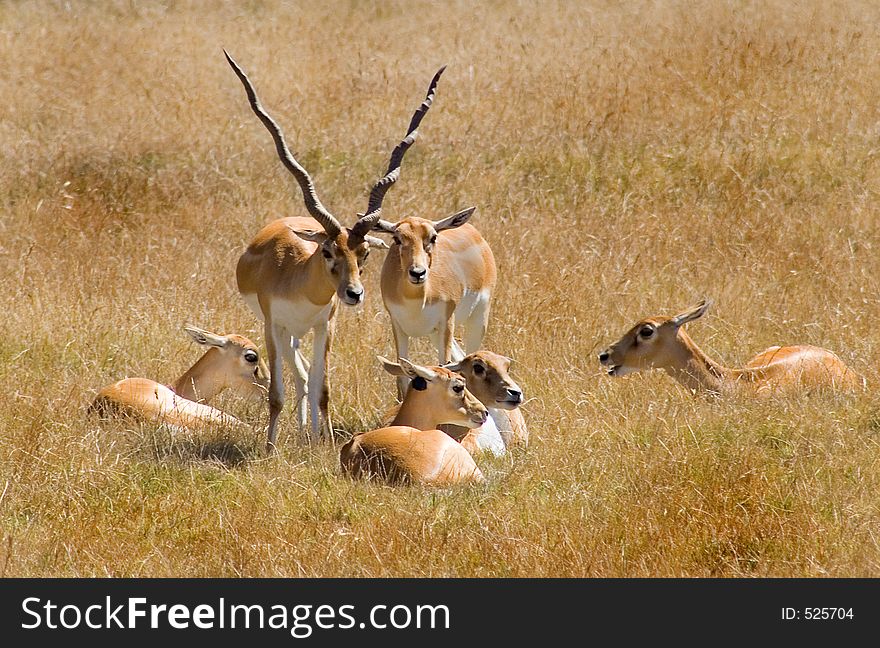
x=296 y=270
x=411 y=449
x=231 y=361
x=661 y=343
x=487 y=378
x=437 y=273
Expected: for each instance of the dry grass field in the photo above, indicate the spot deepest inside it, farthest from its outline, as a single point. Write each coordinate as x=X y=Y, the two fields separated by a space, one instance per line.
x=626 y=160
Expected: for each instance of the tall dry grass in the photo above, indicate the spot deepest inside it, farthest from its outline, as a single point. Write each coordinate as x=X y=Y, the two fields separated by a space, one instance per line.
x=625 y=158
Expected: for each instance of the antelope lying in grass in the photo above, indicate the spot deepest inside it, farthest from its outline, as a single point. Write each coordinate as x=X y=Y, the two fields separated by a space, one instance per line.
x=231 y=361
x=661 y=343
x=296 y=270
x=437 y=273
x=411 y=449
x=487 y=378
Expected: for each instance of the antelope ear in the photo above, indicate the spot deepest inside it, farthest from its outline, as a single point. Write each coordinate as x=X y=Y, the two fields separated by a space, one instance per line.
x=452 y=366
x=691 y=313
x=206 y=338
x=315 y=236
x=417 y=371
x=392 y=367
x=376 y=242
x=384 y=226
x=456 y=220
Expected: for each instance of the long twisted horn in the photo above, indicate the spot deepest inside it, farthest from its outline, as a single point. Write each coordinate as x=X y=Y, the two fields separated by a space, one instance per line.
x=313 y=204
x=377 y=194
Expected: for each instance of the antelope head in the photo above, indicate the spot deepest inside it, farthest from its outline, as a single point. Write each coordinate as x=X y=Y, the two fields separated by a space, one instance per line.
x=444 y=391
x=344 y=249
x=415 y=238
x=231 y=361
x=486 y=376
x=653 y=343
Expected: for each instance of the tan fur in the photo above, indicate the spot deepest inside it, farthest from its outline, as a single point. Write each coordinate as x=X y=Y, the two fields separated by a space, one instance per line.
x=491 y=384
x=774 y=370
x=410 y=450
x=458 y=262
x=280 y=263
x=151 y=402
x=488 y=378
x=280 y=267
x=450 y=272
x=294 y=285
x=217 y=370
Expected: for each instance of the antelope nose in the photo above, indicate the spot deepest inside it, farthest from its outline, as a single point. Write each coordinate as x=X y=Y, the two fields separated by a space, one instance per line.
x=417 y=273
x=603 y=357
x=515 y=395
x=354 y=293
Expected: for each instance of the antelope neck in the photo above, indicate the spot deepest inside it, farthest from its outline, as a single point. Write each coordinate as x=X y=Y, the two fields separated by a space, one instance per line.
x=416 y=411
x=695 y=370
x=201 y=382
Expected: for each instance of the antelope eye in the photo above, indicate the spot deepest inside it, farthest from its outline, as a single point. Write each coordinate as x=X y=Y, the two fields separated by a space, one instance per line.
x=458 y=388
x=251 y=356
x=433 y=239
x=646 y=331
x=479 y=369
x=326 y=254
x=397 y=239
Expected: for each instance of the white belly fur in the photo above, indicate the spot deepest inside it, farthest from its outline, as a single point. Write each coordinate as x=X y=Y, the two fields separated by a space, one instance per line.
x=416 y=320
x=421 y=320
x=489 y=438
x=470 y=300
x=296 y=317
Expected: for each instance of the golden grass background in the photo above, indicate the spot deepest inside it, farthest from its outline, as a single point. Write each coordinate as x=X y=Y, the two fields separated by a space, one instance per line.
x=626 y=159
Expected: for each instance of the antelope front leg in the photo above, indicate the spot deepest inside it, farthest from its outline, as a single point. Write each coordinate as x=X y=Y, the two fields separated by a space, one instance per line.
x=300 y=376
x=476 y=326
x=401 y=346
x=276 y=381
x=325 y=385
x=445 y=350
x=317 y=377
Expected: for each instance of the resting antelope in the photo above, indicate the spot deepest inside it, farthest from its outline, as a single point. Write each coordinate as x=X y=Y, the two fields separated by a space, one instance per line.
x=411 y=449
x=487 y=378
x=437 y=273
x=296 y=269
x=661 y=343
x=231 y=361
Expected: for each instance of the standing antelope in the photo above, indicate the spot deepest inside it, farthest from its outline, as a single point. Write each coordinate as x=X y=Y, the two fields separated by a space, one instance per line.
x=661 y=343
x=487 y=378
x=293 y=273
x=411 y=449
x=435 y=273
x=231 y=361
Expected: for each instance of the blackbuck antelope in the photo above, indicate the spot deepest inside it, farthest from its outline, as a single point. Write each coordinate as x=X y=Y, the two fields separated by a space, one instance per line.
x=437 y=273
x=231 y=361
x=487 y=378
x=661 y=343
x=411 y=449
x=296 y=269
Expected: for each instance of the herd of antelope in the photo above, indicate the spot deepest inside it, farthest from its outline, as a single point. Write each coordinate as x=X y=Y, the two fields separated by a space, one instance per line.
x=436 y=274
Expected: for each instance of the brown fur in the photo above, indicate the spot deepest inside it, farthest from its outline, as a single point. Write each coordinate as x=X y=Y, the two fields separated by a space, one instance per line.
x=280 y=265
x=459 y=260
x=447 y=276
x=410 y=450
x=772 y=371
x=216 y=370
